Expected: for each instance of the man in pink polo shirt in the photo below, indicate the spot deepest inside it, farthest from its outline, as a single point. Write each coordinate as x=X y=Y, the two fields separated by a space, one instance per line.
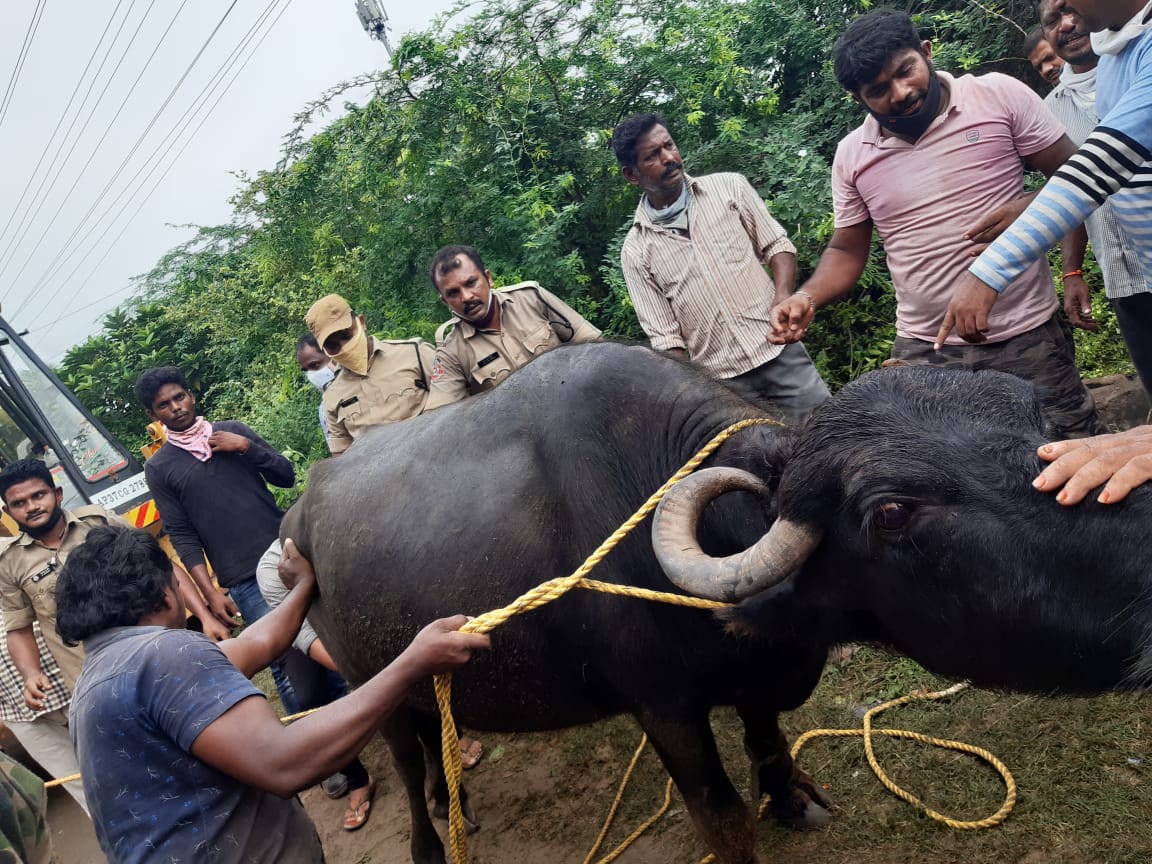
x=934 y=156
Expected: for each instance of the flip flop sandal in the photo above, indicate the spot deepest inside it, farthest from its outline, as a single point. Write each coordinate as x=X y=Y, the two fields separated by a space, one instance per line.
x=471 y=755
x=355 y=817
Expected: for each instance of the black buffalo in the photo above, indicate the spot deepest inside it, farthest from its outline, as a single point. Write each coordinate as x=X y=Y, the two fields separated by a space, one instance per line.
x=907 y=519
x=908 y=509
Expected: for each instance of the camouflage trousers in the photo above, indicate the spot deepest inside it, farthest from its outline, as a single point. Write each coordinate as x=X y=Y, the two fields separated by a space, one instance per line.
x=24 y=837
x=1045 y=356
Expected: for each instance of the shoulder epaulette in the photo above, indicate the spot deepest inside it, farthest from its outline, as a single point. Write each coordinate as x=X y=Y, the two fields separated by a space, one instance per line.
x=444 y=331
x=87 y=510
x=519 y=286
x=412 y=340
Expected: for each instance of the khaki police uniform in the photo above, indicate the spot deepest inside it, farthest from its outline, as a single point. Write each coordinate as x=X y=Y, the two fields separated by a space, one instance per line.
x=28 y=573
x=394 y=388
x=532 y=321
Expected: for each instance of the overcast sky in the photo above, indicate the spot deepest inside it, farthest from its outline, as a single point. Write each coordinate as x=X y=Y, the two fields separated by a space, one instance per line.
x=61 y=265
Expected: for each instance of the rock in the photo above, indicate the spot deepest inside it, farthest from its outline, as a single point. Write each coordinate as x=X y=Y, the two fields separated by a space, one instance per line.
x=1121 y=402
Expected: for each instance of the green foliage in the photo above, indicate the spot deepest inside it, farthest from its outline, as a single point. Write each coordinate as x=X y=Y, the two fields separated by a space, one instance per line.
x=492 y=128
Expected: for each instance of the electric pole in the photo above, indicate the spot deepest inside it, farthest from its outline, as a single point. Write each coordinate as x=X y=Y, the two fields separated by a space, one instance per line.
x=375 y=21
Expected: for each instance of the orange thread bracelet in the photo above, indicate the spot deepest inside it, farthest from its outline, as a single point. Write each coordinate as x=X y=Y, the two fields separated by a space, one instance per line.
x=1064 y=276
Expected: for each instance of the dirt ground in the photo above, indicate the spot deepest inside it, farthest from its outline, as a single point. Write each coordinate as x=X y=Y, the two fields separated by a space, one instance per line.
x=1082 y=766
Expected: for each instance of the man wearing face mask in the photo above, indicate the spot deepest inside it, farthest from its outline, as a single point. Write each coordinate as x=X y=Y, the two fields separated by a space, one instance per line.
x=935 y=155
x=493 y=331
x=318 y=368
x=376 y=380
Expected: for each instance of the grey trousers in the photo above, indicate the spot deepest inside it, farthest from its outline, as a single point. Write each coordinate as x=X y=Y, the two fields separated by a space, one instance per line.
x=788 y=382
x=47 y=741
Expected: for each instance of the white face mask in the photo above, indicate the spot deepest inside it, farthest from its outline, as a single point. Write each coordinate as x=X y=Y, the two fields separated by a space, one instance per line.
x=320 y=378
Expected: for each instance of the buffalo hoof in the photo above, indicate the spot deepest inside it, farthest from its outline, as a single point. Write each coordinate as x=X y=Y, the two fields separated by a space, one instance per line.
x=440 y=811
x=807 y=807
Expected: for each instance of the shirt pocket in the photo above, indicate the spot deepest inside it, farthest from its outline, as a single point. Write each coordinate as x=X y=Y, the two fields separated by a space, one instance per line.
x=349 y=412
x=542 y=338
x=492 y=372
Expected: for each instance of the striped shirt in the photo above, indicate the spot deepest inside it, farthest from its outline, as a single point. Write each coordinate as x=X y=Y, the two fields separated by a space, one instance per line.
x=1118 y=263
x=1113 y=161
x=706 y=290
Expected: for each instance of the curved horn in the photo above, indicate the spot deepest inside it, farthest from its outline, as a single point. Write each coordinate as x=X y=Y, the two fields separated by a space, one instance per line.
x=775 y=555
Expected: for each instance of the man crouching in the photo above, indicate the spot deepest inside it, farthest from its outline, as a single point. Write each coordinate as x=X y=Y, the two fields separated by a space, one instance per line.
x=181 y=755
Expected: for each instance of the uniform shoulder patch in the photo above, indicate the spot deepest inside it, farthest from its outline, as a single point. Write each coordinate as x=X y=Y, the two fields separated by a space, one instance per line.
x=437 y=369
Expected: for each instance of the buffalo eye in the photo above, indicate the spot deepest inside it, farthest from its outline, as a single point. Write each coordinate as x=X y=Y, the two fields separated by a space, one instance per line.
x=891 y=516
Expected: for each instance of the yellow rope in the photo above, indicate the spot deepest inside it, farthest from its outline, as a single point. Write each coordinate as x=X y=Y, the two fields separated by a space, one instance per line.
x=545 y=593
x=553 y=589
x=868 y=732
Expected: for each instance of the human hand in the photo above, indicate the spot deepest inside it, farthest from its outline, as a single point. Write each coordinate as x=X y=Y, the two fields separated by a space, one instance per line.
x=214 y=630
x=228 y=442
x=1120 y=462
x=295 y=570
x=222 y=607
x=440 y=647
x=36 y=691
x=789 y=319
x=968 y=311
x=1078 y=303
x=993 y=224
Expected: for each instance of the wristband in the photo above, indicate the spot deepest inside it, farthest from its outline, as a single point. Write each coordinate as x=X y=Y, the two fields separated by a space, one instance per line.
x=1064 y=276
x=808 y=297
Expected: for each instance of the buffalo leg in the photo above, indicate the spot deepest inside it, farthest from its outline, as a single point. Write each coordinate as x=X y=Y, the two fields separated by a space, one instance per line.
x=683 y=739
x=797 y=800
x=400 y=730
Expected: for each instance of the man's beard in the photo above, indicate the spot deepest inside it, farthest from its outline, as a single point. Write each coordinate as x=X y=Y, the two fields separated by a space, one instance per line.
x=916 y=124
x=49 y=527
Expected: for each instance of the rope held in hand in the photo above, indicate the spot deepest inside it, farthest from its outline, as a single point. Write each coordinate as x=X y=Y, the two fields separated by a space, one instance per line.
x=555 y=588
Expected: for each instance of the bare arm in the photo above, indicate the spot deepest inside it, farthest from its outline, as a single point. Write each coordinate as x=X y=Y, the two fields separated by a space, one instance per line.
x=219 y=603
x=194 y=603
x=783 y=266
x=1077 y=298
x=836 y=275
x=26 y=657
x=319 y=653
x=291 y=758
x=272 y=635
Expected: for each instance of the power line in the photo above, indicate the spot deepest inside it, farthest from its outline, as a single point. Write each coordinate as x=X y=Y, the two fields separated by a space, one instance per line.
x=217 y=79
x=39 y=200
x=29 y=36
x=63 y=114
x=92 y=153
x=69 y=249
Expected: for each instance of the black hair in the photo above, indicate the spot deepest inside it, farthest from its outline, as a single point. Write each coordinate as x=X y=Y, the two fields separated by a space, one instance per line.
x=1034 y=38
x=152 y=381
x=631 y=130
x=308 y=340
x=445 y=261
x=864 y=49
x=113 y=579
x=22 y=470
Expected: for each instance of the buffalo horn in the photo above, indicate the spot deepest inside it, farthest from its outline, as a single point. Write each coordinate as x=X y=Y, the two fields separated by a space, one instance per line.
x=778 y=553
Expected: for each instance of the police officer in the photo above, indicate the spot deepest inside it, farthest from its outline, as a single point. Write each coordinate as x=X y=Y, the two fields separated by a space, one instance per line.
x=492 y=332
x=377 y=380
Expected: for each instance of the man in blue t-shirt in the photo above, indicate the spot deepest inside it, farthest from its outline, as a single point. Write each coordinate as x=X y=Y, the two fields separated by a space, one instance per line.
x=163 y=719
x=1112 y=162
